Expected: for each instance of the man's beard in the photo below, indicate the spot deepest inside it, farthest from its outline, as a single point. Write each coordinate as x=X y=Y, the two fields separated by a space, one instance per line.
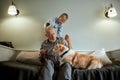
x=52 y=40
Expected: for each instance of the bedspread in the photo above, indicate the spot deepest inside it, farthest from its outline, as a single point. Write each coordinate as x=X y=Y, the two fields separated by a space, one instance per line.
x=18 y=71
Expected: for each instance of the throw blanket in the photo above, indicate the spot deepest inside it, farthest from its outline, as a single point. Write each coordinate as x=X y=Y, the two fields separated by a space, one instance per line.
x=108 y=72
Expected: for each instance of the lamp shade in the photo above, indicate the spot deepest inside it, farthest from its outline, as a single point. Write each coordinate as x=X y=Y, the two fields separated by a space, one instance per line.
x=12 y=10
x=112 y=12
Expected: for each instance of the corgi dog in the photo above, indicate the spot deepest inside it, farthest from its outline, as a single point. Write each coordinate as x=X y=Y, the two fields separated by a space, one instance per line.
x=76 y=59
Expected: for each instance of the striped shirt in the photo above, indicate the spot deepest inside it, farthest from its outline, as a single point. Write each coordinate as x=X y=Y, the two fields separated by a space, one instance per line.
x=48 y=46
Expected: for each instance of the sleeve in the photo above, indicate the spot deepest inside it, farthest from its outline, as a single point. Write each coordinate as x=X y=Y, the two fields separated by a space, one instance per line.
x=42 y=46
x=50 y=22
x=59 y=32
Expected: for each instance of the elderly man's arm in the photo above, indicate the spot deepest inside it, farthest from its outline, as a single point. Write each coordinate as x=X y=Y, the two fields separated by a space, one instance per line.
x=42 y=51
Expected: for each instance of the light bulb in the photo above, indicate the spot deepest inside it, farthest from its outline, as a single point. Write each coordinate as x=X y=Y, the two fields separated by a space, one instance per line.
x=112 y=12
x=12 y=10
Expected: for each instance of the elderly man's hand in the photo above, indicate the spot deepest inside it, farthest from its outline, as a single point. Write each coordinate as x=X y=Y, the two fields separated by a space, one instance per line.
x=42 y=52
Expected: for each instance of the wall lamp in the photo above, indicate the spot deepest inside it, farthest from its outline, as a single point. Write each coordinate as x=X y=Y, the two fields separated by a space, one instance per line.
x=110 y=12
x=12 y=10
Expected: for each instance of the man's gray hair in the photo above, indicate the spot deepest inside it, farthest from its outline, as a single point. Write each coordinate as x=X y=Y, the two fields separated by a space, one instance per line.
x=48 y=28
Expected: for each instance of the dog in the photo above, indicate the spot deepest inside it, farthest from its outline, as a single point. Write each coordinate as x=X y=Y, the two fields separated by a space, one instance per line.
x=76 y=59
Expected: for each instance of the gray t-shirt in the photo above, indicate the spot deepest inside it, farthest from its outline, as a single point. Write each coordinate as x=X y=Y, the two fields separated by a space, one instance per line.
x=49 y=46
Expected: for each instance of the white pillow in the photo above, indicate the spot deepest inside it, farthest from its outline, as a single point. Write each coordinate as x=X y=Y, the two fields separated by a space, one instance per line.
x=29 y=57
x=101 y=54
x=85 y=52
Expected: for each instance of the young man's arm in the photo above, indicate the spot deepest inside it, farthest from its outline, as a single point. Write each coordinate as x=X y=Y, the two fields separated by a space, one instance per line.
x=59 y=32
x=67 y=38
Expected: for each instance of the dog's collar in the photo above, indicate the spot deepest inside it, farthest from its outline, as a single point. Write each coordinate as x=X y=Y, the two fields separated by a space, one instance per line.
x=64 y=53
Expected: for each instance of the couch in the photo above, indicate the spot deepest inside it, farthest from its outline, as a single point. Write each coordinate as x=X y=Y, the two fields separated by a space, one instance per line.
x=25 y=65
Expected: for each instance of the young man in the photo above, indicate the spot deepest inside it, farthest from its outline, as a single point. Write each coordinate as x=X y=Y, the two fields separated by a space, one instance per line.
x=51 y=60
x=57 y=23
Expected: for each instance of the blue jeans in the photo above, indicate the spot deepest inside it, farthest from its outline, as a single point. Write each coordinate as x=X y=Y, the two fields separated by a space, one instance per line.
x=48 y=71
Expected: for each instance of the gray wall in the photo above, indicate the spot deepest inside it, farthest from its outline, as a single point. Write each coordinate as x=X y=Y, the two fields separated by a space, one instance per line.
x=87 y=26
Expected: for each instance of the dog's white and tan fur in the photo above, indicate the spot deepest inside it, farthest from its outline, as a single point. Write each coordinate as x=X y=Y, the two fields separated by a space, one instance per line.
x=76 y=59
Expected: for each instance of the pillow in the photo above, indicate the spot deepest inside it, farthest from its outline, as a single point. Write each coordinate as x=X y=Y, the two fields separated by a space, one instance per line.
x=101 y=54
x=29 y=57
x=85 y=52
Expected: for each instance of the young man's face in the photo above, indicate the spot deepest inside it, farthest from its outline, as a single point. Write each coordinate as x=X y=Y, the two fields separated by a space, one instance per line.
x=62 y=19
x=51 y=35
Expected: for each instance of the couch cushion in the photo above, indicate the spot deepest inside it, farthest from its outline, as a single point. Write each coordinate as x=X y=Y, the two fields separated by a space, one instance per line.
x=114 y=54
x=6 y=43
x=29 y=57
x=6 y=53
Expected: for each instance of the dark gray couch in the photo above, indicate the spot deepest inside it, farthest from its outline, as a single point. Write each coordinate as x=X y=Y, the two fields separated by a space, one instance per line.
x=20 y=70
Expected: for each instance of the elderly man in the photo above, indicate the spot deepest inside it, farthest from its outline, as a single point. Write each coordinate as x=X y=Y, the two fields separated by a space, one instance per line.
x=51 y=60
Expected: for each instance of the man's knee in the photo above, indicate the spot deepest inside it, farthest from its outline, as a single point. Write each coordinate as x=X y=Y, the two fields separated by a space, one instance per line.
x=49 y=62
x=65 y=72
x=67 y=65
